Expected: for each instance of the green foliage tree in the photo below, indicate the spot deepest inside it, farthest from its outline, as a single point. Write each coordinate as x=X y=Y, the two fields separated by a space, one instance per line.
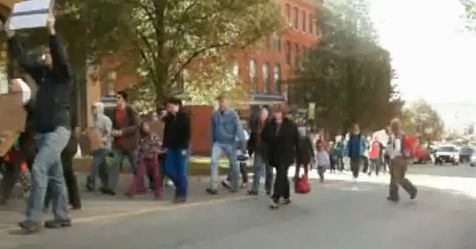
x=167 y=37
x=348 y=74
x=421 y=119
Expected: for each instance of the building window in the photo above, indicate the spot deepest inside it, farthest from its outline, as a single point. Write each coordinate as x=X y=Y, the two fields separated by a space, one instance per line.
x=311 y=24
x=304 y=21
x=267 y=77
x=288 y=53
x=297 y=56
x=236 y=69
x=277 y=43
x=277 y=77
x=253 y=75
x=287 y=9
x=296 y=18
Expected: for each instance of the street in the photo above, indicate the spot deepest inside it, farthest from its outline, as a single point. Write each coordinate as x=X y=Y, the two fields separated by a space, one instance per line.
x=334 y=215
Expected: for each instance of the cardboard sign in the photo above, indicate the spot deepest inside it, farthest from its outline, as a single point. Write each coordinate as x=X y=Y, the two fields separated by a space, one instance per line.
x=157 y=127
x=30 y=14
x=13 y=113
x=95 y=140
x=7 y=139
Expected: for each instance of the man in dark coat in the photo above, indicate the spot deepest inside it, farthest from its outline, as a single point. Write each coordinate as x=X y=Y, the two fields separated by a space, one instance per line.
x=282 y=138
x=52 y=124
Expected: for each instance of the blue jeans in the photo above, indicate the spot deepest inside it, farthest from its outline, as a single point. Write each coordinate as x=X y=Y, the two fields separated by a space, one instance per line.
x=119 y=155
x=46 y=169
x=99 y=167
x=230 y=150
x=176 y=168
x=260 y=168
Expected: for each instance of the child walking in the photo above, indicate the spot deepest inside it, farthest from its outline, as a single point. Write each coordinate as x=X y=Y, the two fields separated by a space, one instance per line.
x=149 y=148
x=322 y=159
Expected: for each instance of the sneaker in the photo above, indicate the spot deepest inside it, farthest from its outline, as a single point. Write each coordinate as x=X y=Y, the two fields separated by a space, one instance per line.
x=169 y=183
x=57 y=223
x=273 y=204
x=392 y=199
x=180 y=199
x=413 y=195
x=29 y=226
x=253 y=192
x=108 y=191
x=244 y=185
x=226 y=184
x=286 y=201
x=212 y=191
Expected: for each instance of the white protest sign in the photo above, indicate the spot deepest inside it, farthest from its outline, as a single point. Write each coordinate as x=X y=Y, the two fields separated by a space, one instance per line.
x=30 y=14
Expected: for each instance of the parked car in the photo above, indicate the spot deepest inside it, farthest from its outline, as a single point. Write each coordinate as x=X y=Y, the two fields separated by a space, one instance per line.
x=465 y=154
x=447 y=154
x=472 y=160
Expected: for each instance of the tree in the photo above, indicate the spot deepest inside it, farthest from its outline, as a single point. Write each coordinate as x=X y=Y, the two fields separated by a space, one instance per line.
x=167 y=37
x=421 y=119
x=348 y=74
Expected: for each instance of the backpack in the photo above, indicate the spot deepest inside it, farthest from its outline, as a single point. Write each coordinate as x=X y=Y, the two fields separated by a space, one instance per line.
x=375 y=150
x=408 y=147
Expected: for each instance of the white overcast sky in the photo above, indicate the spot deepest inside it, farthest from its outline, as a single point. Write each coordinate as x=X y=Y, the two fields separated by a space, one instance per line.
x=434 y=58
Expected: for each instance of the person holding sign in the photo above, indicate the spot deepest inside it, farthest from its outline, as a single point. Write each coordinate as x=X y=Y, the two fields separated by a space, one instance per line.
x=52 y=124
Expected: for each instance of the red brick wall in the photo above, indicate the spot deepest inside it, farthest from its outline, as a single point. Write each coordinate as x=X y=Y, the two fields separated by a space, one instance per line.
x=298 y=36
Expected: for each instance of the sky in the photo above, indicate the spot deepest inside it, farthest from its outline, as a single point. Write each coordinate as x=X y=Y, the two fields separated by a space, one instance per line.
x=435 y=58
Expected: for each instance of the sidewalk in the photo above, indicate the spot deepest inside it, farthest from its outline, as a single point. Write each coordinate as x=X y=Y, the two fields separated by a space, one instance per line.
x=97 y=205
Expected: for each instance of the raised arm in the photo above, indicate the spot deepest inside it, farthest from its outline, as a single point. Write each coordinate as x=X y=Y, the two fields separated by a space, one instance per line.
x=60 y=63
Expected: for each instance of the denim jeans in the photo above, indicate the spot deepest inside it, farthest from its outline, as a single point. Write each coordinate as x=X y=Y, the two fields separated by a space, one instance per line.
x=176 y=167
x=260 y=168
x=99 y=167
x=47 y=167
x=119 y=155
x=230 y=150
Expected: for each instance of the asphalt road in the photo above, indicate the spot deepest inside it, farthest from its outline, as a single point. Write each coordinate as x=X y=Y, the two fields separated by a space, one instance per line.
x=335 y=215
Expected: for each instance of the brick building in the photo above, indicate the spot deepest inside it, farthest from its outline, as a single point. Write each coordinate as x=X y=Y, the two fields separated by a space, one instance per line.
x=267 y=71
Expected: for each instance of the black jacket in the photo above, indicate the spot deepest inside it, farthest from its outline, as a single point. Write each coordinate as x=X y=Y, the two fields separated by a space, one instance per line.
x=54 y=85
x=177 y=132
x=306 y=151
x=253 y=147
x=283 y=146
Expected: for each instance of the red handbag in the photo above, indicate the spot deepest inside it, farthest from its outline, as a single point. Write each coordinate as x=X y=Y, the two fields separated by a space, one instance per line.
x=302 y=185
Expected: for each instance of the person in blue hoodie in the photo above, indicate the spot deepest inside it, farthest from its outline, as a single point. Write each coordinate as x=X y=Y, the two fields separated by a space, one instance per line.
x=226 y=127
x=355 y=150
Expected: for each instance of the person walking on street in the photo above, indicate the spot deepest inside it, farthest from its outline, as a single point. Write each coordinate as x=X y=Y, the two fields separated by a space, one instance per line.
x=339 y=154
x=355 y=150
x=282 y=139
x=242 y=158
x=260 y=151
x=176 y=142
x=103 y=125
x=398 y=164
x=52 y=124
x=375 y=157
x=125 y=125
x=305 y=156
x=323 y=160
x=226 y=127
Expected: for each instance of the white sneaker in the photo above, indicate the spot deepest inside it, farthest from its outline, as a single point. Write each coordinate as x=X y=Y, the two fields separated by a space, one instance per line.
x=169 y=183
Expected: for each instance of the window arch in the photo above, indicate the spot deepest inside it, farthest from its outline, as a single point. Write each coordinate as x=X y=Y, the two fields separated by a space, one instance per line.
x=297 y=55
x=287 y=9
x=277 y=77
x=253 y=75
x=267 y=77
x=288 y=53
x=296 y=18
